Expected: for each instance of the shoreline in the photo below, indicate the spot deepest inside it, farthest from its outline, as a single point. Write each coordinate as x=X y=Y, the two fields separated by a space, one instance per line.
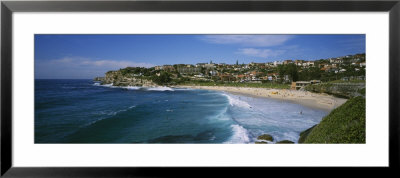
x=314 y=100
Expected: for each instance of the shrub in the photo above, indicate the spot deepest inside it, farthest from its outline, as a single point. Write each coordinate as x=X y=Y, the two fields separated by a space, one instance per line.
x=345 y=124
x=304 y=134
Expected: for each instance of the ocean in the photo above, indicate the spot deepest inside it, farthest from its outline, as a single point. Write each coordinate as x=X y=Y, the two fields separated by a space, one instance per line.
x=82 y=111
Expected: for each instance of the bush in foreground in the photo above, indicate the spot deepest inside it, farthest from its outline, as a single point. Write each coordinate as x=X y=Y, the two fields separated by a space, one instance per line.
x=345 y=124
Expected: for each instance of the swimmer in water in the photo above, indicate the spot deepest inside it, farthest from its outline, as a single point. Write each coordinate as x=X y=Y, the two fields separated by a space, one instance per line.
x=301 y=112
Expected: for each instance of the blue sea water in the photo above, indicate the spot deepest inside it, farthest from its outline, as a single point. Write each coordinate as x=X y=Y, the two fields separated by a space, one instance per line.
x=81 y=111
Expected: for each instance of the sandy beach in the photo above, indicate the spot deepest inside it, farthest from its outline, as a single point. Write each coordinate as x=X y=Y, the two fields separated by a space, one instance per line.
x=309 y=99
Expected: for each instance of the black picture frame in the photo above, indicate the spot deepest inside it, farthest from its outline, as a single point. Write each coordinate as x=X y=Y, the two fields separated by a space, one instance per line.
x=8 y=7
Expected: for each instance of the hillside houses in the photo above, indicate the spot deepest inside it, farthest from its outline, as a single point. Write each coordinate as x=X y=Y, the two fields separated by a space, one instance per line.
x=168 y=68
x=345 y=66
x=189 y=69
x=336 y=60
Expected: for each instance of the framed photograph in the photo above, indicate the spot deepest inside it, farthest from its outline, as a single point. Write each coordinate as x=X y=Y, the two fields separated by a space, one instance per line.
x=137 y=88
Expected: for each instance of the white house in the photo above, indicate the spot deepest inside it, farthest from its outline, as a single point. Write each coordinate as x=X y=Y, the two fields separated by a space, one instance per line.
x=278 y=63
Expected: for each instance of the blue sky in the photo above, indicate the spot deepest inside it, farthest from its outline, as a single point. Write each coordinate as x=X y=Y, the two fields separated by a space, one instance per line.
x=88 y=56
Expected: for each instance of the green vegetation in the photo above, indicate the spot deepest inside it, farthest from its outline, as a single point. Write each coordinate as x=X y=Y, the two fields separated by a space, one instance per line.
x=290 y=69
x=317 y=73
x=345 y=124
x=304 y=134
x=137 y=70
x=163 y=79
x=361 y=91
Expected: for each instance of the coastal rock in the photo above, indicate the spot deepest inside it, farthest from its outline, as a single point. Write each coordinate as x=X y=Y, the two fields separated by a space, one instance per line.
x=284 y=142
x=261 y=142
x=265 y=137
x=118 y=79
x=343 y=90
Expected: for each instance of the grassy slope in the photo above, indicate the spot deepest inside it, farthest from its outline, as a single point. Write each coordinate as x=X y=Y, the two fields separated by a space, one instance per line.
x=345 y=124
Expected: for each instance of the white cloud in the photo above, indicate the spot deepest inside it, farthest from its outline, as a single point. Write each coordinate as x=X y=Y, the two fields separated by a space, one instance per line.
x=78 y=67
x=261 y=52
x=248 y=40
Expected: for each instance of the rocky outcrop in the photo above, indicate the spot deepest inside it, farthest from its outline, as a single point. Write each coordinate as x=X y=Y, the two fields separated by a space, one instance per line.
x=266 y=137
x=261 y=142
x=285 y=142
x=98 y=79
x=346 y=90
x=117 y=79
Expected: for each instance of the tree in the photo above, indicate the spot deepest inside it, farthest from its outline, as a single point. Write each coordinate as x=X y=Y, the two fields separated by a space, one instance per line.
x=289 y=69
x=292 y=72
x=163 y=79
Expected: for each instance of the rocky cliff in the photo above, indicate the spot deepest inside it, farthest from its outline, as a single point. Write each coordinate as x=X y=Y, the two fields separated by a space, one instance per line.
x=346 y=90
x=118 y=79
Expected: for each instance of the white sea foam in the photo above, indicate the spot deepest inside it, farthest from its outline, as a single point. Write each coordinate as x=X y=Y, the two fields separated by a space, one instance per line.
x=109 y=85
x=240 y=135
x=132 y=88
x=96 y=84
x=235 y=101
x=222 y=116
x=112 y=113
x=160 y=89
x=136 y=87
x=183 y=89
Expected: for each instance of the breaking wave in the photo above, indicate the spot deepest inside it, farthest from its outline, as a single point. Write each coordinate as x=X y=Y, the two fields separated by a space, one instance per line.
x=137 y=87
x=159 y=89
x=235 y=101
x=240 y=135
